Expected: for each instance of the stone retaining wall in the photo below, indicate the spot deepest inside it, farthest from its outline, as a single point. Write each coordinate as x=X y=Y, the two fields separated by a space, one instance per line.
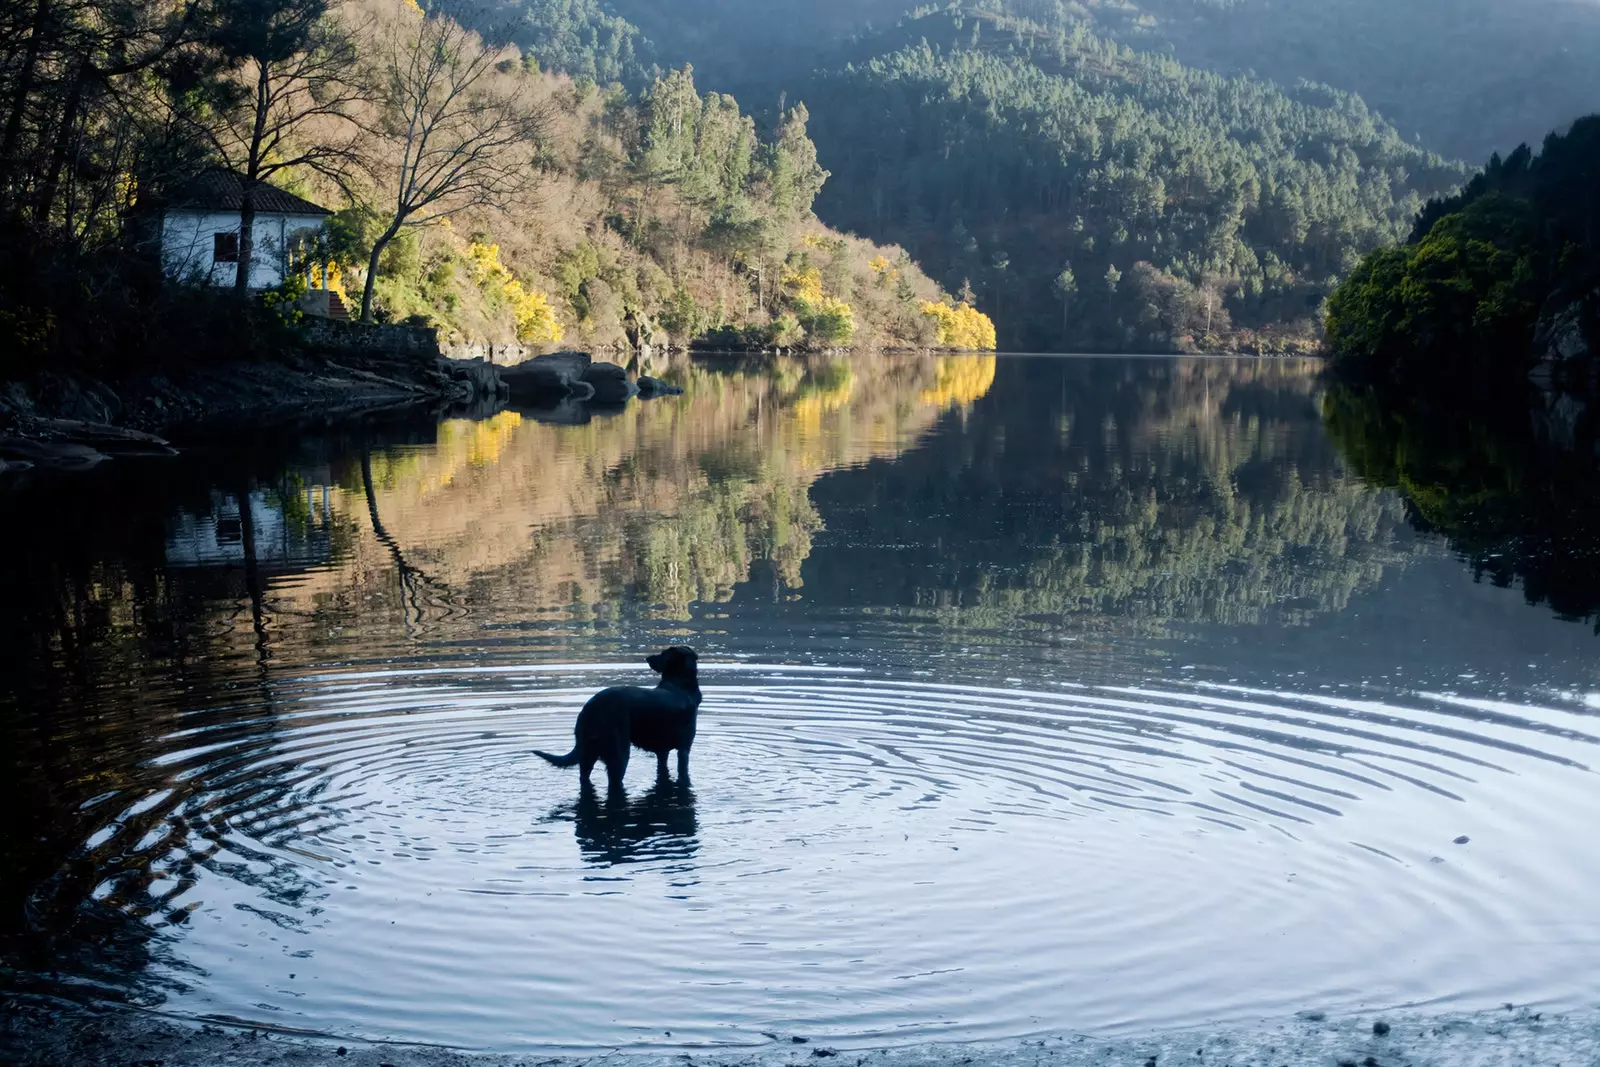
x=331 y=336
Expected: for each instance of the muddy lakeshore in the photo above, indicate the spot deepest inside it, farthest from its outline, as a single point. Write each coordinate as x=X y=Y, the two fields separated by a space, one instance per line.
x=36 y=1035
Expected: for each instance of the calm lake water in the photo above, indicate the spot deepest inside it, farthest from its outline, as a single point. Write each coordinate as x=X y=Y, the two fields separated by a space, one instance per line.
x=1041 y=694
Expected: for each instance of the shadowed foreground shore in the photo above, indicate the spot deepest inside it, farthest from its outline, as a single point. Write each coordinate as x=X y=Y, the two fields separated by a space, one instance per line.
x=36 y=1035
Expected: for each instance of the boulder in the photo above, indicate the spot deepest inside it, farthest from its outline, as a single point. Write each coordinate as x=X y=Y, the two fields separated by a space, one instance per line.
x=481 y=377
x=1566 y=346
x=548 y=378
x=51 y=455
x=650 y=387
x=1559 y=337
x=611 y=385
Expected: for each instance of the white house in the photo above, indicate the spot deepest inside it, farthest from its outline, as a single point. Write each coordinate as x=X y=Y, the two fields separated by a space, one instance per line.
x=200 y=231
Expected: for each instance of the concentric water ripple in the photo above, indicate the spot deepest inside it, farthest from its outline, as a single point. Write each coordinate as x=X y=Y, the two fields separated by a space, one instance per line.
x=859 y=859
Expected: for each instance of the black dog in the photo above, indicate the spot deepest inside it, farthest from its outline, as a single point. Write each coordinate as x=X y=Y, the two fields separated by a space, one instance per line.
x=657 y=720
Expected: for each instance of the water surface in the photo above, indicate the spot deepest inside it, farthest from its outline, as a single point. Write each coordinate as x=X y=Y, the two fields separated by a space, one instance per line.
x=1041 y=694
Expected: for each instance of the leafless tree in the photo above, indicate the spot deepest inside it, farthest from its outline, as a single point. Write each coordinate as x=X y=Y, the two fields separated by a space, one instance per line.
x=467 y=132
x=296 y=105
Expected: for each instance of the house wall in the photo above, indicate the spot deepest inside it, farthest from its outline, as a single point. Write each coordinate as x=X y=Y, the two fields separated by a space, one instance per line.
x=187 y=244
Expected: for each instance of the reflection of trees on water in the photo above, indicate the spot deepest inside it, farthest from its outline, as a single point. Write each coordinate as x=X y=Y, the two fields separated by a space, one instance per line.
x=223 y=568
x=1520 y=509
x=118 y=635
x=1190 y=490
x=412 y=579
x=666 y=504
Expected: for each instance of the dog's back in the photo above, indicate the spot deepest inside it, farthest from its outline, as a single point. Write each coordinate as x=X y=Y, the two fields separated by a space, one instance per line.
x=657 y=720
x=663 y=718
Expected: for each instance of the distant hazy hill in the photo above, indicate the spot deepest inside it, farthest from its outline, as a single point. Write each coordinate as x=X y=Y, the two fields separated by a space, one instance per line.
x=1467 y=76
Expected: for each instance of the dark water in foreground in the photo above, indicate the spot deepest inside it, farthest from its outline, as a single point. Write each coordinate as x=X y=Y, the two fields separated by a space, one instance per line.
x=1041 y=694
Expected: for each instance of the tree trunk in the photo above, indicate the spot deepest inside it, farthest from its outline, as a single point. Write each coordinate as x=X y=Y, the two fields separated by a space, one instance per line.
x=19 y=97
x=372 y=270
x=247 y=235
x=46 y=201
x=251 y=177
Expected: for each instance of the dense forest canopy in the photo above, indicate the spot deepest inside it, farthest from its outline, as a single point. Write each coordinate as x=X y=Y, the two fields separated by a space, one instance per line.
x=1101 y=198
x=1089 y=194
x=1494 y=279
x=1093 y=173
x=1467 y=77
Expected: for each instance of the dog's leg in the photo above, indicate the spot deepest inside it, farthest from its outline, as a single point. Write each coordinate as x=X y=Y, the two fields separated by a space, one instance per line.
x=683 y=764
x=617 y=766
x=661 y=764
x=585 y=765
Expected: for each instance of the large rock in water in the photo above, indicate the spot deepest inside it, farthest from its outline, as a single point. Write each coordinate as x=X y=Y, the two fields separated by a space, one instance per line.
x=650 y=387
x=547 y=379
x=477 y=378
x=611 y=385
x=1566 y=343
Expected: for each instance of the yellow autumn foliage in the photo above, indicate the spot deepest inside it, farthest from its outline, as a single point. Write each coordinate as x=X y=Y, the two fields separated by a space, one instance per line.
x=962 y=326
x=536 y=319
x=959 y=381
x=804 y=285
x=334 y=280
x=826 y=319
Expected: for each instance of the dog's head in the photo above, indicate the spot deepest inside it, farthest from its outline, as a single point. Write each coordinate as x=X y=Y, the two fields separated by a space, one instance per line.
x=674 y=662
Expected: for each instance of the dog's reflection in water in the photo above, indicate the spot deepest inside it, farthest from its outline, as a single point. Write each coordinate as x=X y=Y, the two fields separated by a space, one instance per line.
x=658 y=824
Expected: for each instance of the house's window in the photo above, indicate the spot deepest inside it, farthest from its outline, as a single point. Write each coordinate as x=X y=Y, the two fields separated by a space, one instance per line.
x=225 y=248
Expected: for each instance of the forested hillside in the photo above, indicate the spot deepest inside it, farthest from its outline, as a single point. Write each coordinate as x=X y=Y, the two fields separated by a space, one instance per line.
x=471 y=189
x=1467 y=77
x=1086 y=194
x=668 y=217
x=1494 y=280
x=1095 y=197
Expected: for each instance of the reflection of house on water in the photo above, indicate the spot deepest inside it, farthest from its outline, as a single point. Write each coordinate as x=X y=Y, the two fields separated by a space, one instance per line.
x=279 y=532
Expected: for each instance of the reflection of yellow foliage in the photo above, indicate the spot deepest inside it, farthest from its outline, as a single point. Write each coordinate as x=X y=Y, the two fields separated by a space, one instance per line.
x=673 y=502
x=962 y=326
x=828 y=394
x=536 y=319
x=961 y=380
x=479 y=444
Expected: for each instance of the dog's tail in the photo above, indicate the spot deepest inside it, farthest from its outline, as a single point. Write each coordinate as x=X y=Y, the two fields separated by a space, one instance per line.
x=569 y=760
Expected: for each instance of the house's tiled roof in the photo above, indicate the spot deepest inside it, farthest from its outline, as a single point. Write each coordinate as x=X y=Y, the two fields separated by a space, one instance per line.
x=220 y=189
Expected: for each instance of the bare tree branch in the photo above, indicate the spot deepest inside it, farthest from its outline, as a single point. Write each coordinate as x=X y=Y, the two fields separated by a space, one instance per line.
x=467 y=132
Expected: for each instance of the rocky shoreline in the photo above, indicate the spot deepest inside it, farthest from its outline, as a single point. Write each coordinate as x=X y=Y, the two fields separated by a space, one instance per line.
x=72 y=422
x=36 y=1034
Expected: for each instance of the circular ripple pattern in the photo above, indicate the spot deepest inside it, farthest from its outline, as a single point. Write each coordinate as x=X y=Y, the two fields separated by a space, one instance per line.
x=857 y=860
